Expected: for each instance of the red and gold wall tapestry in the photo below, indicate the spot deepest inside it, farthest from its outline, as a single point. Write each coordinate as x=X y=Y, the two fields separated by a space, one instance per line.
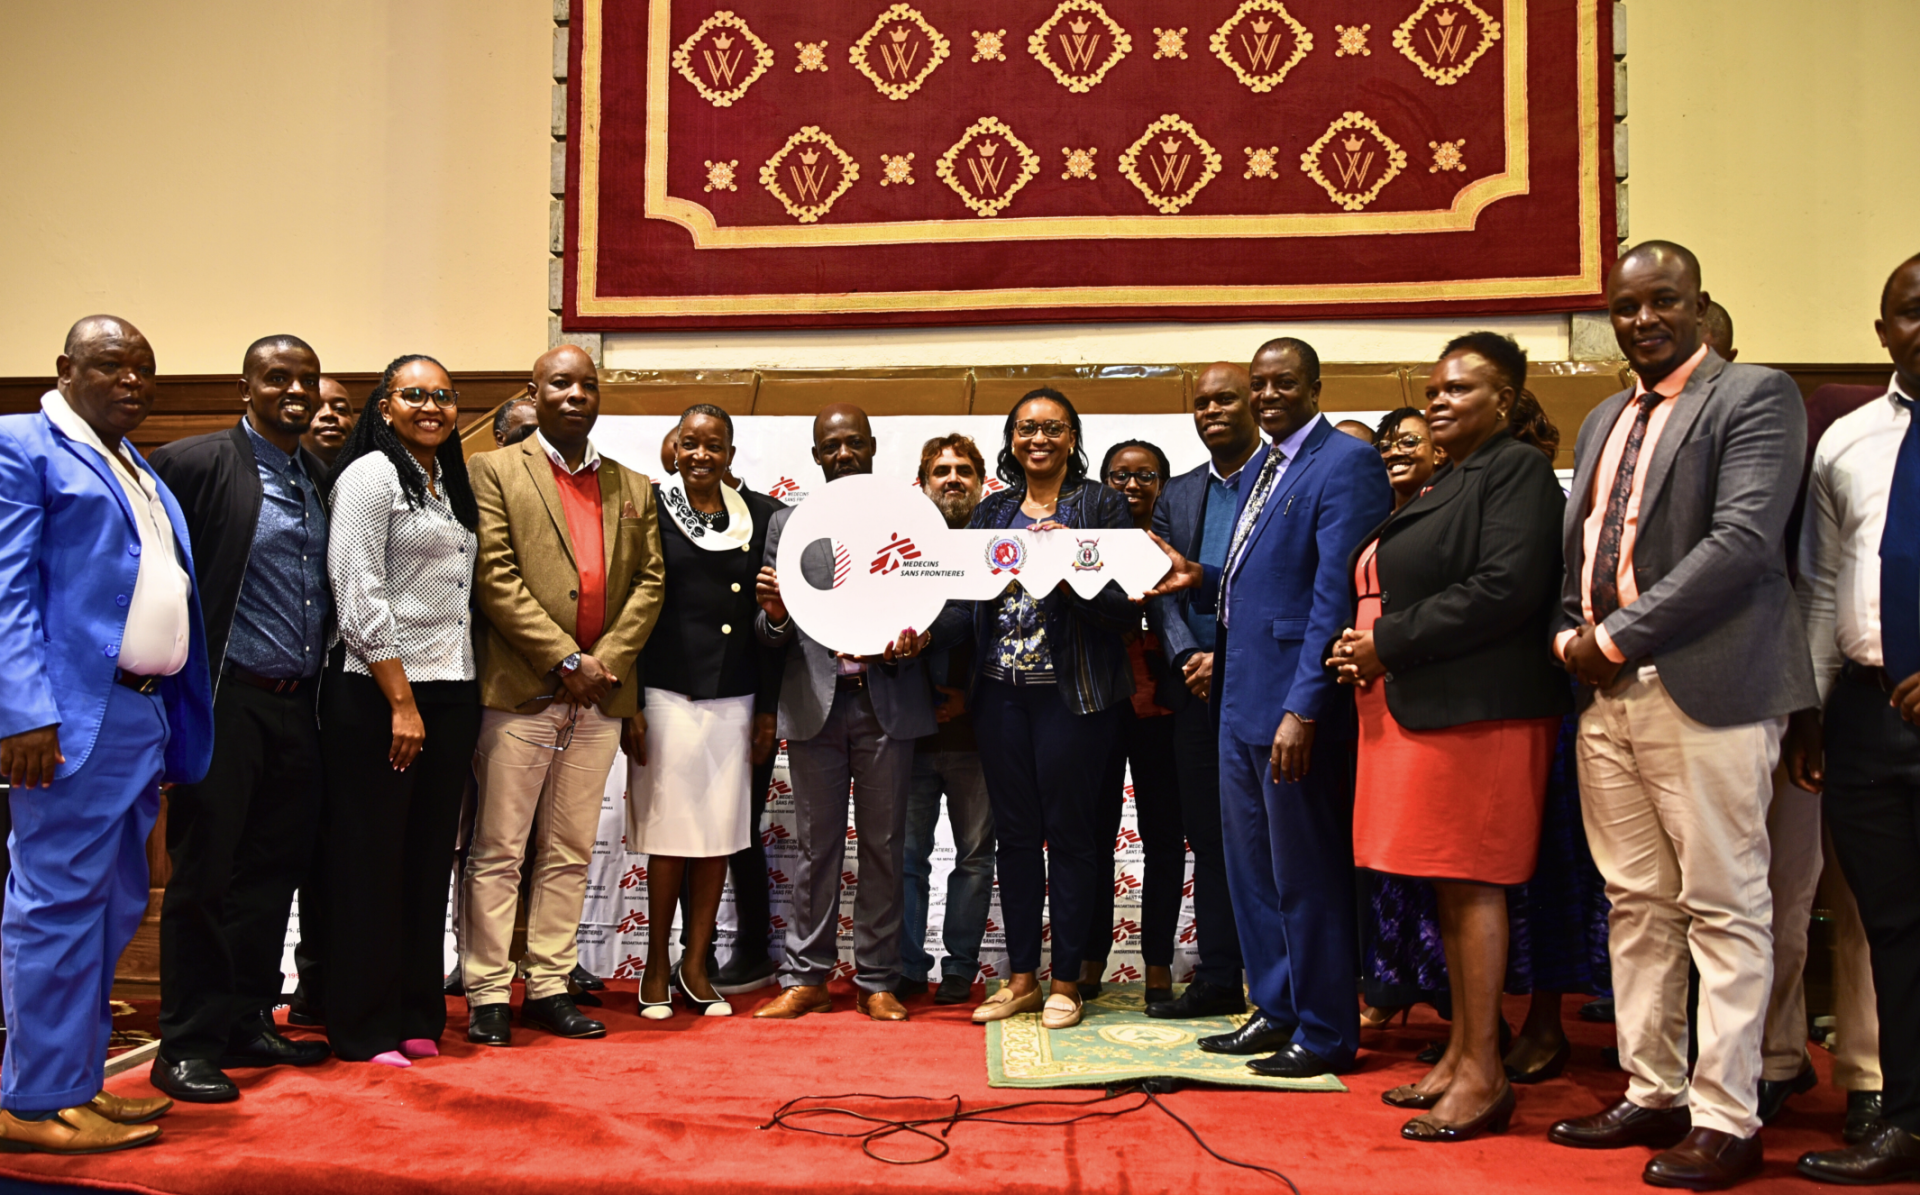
x=774 y=163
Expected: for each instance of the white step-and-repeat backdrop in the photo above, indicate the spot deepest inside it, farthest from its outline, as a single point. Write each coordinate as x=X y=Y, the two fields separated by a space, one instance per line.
x=774 y=456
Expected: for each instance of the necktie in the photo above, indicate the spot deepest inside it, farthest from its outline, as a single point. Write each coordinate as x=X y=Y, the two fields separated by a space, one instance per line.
x=1900 y=558
x=1249 y=515
x=1605 y=593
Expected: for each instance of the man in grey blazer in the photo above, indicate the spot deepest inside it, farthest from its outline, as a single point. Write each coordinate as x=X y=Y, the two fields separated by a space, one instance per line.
x=1678 y=617
x=846 y=721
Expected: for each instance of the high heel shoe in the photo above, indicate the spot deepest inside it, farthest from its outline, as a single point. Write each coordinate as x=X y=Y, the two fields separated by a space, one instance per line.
x=1404 y=1096
x=695 y=1005
x=1380 y=1018
x=661 y=1010
x=1495 y=1118
x=1550 y=1069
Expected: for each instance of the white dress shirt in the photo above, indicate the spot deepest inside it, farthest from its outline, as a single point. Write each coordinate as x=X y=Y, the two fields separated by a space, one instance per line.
x=157 y=635
x=1847 y=495
x=591 y=460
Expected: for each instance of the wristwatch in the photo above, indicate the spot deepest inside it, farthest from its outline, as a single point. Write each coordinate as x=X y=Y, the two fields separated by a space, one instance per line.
x=569 y=666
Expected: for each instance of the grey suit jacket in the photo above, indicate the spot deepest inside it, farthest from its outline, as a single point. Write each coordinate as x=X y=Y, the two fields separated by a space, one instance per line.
x=1715 y=612
x=902 y=698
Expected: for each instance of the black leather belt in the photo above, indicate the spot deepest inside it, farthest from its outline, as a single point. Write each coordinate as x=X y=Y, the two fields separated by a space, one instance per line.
x=850 y=680
x=286 y=688
x=136 y=682
x=1871 y=675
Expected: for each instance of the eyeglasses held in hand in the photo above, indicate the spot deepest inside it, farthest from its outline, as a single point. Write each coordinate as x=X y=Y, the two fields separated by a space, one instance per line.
x=1054 y=428
x=562 y=738
x=420 y=396
x=1406 y=443
x=1143 y=476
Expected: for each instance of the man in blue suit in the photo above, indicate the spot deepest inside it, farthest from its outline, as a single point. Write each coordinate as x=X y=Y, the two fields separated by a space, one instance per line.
x=1286 y=729
x=107 y=695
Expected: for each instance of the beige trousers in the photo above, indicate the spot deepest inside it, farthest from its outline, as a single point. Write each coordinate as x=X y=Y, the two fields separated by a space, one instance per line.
x=1800 y=872
x=527 y=786
x=1676 y=816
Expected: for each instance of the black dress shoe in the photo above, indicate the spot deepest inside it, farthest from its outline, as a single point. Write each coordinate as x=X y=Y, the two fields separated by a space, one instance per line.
x=1202 y=999
x=1774 y=1093
x=192 y=1081
x=1260 y=1035
x=954 y=989
x=1889 y=1154
x=454 y=984
x=558 y=1016
x=1599 y=1012
x=1089 y=989
x=306 y=1018
x=1707 y=1160
x=1550 y=1069
x=1159 y=996
x=908 y=988
x=255 y=1042
x=1863 y=1116
x=488 y=1025
x=586 y=980
x=1624 y=1124
x=743 y=975
x=1293 y=1062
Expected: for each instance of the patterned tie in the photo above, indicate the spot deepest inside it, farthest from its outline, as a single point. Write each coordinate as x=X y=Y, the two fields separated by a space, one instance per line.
x=1606 y=555
x=1900 y=558
x=1249 y=515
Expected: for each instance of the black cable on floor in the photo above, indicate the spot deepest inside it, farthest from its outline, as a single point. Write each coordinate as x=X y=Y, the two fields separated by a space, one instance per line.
x=789 y=1115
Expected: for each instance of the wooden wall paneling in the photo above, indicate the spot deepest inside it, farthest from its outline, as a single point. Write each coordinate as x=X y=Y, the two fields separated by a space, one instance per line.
x=1568 y=390
x=1093 y=389
x=877 y=391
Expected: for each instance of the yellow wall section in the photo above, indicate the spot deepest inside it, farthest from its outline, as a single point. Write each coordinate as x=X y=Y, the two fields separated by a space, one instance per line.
x=371 y=174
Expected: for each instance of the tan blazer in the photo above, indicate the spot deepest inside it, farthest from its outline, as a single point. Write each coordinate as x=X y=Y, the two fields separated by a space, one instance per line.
x=527 y=573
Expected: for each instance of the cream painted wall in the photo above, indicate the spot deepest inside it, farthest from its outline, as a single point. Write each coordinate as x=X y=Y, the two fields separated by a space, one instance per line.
x=368 y=174
x=372 y=175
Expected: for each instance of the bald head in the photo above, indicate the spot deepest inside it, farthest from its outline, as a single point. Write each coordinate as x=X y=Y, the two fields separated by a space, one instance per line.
x=1716 y=328
x=1657 y=307
x=569 y=357
x=107 y=374
x=1223 y=375
x=1660 y=255
x=1223 y=415
x=1899 y=322
x=565 y=390
x=843 y=441
x=92 y=328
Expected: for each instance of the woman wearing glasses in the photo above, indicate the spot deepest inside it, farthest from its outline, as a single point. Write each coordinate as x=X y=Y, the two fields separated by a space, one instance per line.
x=711 y=692
x=400 y=711
x=1459 y=705
x=1050 y=679
x=1137 y=471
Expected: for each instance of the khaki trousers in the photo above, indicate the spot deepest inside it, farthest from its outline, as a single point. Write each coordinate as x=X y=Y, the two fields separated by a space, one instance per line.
x=528 y=787
x=1676 y=816
x=1799 y=873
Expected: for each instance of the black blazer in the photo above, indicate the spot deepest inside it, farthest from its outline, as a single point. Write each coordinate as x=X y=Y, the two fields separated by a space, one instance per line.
x=1469 y=577
x=704 y=647
x=217 y=483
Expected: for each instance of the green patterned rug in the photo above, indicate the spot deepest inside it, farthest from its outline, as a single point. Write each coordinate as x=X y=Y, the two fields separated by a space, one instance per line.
x=1116 y=1042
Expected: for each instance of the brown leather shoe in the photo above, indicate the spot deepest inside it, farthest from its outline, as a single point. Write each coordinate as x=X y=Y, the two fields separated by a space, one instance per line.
x=1624 y=1124
x=1706 y=1161
x=881 y=1006
x=1888 y=1155
x=71 y=1131
x=121 y=1110
x=796 y=1001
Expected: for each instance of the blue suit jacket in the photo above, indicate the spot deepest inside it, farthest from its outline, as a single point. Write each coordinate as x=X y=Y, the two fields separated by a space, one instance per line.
x=1291 y=591
x=1177 y=518
x=68 y=561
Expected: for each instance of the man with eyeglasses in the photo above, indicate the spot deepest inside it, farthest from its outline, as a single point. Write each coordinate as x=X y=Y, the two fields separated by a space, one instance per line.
x=1195 y=514
x=243 y=839
x=570 y=578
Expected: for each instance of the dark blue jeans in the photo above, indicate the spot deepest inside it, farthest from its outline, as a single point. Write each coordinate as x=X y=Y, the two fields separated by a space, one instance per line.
x=970 y=885
x=1044 y=769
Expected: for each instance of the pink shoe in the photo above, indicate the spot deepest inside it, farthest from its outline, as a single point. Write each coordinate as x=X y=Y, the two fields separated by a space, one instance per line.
x=391 y=1058
x=420 y=1047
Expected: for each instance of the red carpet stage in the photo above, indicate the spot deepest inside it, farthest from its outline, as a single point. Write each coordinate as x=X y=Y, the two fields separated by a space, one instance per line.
x=676 y=1107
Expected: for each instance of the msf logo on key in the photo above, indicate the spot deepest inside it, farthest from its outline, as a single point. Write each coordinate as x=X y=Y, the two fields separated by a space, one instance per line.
x=896 y=553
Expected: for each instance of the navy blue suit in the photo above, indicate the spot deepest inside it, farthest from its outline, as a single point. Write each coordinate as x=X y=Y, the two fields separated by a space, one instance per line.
x=69 y=556
x=1290 y=846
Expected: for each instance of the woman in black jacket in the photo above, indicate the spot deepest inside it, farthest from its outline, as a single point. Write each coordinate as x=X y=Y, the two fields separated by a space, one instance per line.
x=1459 y=702
x=1050 y=676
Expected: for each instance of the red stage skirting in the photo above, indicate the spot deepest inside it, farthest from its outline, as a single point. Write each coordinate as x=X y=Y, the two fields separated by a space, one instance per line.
x=676 y=1107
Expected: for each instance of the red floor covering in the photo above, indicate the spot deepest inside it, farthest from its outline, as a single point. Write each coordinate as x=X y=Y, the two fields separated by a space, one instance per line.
x=676 y=1107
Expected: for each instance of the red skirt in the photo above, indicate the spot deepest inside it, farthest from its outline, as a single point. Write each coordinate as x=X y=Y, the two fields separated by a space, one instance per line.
x=1462 y=803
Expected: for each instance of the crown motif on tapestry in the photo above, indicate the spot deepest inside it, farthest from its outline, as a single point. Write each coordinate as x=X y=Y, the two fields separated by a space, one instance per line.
x=988 y=149
x=1261 y=24
x=809 y=156
x=723 y=41
x=1353 y=143
x=1080 y=26
x=1170 y=146
x=900 y=33
x=1445 y=16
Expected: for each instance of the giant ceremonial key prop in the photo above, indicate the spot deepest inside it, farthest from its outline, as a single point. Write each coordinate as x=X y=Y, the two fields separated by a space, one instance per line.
x=862 y=559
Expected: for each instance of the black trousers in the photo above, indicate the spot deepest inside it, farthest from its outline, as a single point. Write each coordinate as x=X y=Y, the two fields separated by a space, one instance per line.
x=386 y=836
x=1196 y=754
x=240 y=842
x=1044 y=765
x=1146 y=743
x=1872 y=807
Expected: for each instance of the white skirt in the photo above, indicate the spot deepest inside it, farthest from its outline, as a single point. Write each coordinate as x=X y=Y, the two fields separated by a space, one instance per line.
x=692 y=797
